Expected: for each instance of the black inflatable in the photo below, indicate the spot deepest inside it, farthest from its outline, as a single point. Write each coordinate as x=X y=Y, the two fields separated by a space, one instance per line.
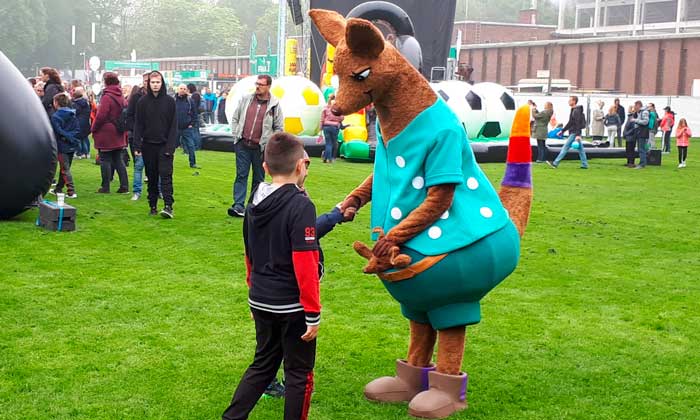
x=28 y=157
x=401 y=24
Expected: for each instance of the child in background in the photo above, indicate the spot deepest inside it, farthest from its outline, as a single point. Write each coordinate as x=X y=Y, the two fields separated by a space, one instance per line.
x=683 y=135
x=67 y=130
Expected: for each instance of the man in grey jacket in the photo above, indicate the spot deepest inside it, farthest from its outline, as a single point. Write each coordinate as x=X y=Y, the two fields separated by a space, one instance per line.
x=255 y=118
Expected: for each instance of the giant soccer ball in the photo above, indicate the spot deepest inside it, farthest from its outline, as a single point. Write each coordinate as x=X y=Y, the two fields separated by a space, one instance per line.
x=486 y=109
x=244 y=86
x=500 y=110
x=302 y=103
x=468 y=107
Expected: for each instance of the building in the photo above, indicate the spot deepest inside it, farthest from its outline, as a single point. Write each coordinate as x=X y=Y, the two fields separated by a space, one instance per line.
x=639 y=47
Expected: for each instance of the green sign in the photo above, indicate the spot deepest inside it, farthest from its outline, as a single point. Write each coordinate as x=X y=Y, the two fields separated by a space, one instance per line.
x=187 y=76
x=265 y=65
x=139 y=65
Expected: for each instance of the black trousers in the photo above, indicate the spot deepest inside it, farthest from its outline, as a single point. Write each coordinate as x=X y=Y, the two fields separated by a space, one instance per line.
x=682 y=153
x=159 y=170
x=110 y=161
x=278 y=337
x=629 y=151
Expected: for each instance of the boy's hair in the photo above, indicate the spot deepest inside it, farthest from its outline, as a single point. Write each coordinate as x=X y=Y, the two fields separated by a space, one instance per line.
x=282 y=153
x=110 y=78
x=62 y=100
x=574 y=98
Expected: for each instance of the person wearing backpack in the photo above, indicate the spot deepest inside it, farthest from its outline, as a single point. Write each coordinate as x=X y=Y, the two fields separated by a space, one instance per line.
x=67 y=130
x=109 y=134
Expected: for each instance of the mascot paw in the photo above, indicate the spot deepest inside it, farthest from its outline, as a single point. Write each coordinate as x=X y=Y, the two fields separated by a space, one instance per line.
x=376 y=265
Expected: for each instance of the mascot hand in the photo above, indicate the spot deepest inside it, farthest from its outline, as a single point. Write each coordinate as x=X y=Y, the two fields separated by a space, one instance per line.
x=393 y=259
x=349 y=207
x=383 y=246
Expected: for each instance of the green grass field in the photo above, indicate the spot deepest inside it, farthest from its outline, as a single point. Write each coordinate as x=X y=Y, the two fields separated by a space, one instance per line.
x=133 y=317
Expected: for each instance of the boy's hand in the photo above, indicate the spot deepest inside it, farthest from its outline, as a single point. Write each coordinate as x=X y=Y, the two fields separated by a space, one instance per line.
x=311 y=333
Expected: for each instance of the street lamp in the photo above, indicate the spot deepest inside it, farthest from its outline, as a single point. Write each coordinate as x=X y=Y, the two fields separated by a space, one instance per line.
x=235 y=45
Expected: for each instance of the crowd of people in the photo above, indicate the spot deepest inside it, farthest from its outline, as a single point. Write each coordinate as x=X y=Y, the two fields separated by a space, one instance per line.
x=636 y=129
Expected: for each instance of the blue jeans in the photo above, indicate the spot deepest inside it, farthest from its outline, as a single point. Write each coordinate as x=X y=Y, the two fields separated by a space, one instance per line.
x=245 y=158
x=187 y=138
x=138 y=174
x=330 y=133
x=84 y=146
x=567 y=146
x=642 y=149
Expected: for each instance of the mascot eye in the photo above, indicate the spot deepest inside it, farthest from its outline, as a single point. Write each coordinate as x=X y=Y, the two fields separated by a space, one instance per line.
x=361 y=76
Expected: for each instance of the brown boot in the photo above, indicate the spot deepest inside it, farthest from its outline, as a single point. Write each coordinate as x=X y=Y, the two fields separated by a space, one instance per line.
x=409 y=381
x=447 y=395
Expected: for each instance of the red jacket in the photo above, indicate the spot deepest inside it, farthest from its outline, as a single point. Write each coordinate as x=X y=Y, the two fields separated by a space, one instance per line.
x=667 y=122
x=104 y=130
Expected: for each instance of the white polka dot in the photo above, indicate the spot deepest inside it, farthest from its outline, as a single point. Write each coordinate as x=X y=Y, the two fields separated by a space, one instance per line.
x=400 y=161
x=418 y=182
x=445 y=215
x=434 y=232
x=486 y=212
x=396 y=213
x=472 y=183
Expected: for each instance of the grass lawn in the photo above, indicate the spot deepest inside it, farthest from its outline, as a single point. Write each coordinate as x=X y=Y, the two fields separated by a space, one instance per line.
x=133 y=317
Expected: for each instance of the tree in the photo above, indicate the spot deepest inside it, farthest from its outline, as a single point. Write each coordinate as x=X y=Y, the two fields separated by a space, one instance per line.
x=22 y=29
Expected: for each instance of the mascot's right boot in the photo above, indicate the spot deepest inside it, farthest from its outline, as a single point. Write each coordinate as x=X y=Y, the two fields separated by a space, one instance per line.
x=409 y=381
x=447 y=395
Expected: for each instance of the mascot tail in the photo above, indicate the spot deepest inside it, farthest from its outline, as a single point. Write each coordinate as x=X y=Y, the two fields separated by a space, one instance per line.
x=516 y=187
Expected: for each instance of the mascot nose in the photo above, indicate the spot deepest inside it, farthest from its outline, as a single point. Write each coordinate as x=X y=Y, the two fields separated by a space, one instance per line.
x=336 y=112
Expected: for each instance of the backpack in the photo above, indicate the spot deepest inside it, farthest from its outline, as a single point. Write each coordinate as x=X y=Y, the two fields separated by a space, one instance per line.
x=120 y=122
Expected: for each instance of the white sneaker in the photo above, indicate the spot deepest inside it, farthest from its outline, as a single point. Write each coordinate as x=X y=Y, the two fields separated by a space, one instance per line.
x=135 y=197
x=74 y=195
x=683 y=164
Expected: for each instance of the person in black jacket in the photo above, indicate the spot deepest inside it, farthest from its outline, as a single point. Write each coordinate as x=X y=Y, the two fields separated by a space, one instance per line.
x=52 y=86
x=282 y=260
x=197 y=101
x=82 y=112
x=137 y=93
x=576 y=124
x=186 y=121
x=155 y=138
x=221 y=109
x=620 y=113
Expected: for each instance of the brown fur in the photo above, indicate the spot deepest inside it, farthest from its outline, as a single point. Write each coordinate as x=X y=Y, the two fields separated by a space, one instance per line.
x=517 y=201
x=399 y=94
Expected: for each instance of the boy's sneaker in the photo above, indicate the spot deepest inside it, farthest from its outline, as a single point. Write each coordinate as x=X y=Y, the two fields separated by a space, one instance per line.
x=275 y=389
x=123 y=190
x=72 y=195
x=154 y=211
x=551 y=165
x=167 y=213
x=135 y=197
x=236 y=211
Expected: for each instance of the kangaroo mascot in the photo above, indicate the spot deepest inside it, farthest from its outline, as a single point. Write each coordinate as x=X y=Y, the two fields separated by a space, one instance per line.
x=444 y=236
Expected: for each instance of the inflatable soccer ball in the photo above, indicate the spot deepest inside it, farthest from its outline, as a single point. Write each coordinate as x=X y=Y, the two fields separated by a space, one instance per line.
x=500 y=110
x=242 y=87
x=466 y=105
x=302 y=102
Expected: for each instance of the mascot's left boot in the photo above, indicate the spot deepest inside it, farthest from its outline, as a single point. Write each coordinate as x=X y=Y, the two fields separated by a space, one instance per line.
x=448 y=386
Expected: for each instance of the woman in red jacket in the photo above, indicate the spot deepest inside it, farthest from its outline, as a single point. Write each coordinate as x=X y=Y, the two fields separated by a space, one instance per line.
x=667 y=126
x=110 y=142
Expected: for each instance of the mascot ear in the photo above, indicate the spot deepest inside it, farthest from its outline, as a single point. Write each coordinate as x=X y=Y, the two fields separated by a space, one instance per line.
x=330 y=24
x=363 y=38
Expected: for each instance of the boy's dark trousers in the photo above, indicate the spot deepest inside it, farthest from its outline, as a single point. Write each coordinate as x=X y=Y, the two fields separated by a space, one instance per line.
x=159 y=170
x=65 y=178
x=278 y=337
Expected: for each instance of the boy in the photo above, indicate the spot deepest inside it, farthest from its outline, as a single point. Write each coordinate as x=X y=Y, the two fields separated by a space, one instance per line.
x=324 y=224
x=67 y=130
x=282 y=260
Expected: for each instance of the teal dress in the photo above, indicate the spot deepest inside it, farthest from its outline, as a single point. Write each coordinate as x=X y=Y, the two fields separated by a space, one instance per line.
x=481 y=242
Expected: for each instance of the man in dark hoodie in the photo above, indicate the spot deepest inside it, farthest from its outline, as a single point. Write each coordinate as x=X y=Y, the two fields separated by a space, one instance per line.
x=53 y=86
x=155 y=138
x=197 y=101
x=576 y=124
x=186 y=121
x=136 y=94
x=281 y=251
